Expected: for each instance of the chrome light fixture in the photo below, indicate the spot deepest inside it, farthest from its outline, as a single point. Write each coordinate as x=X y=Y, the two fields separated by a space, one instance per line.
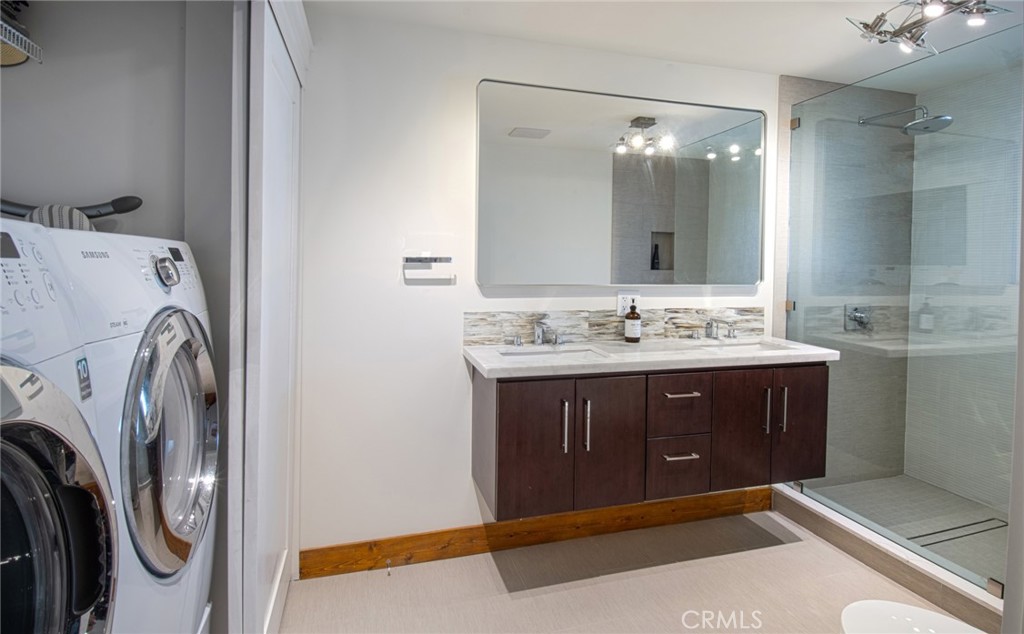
x=910 y=32
x=638 y=141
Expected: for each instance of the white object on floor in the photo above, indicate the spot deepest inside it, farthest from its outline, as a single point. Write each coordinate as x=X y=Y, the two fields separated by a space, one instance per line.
x=889 y=617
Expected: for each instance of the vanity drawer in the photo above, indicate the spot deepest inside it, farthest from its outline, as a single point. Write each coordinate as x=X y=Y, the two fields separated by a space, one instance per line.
x=679 y=404
x=678 y=466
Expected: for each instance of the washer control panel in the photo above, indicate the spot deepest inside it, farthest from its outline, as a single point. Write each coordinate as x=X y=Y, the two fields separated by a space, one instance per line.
x=166 y=268
x=28 y=285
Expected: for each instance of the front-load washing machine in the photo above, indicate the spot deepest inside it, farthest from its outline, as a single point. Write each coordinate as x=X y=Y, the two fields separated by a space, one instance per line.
x=144 y=322
x=59 y=529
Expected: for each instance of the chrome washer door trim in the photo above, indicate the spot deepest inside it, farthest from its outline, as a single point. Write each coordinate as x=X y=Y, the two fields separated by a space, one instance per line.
x=169 y=441
x=42 y=424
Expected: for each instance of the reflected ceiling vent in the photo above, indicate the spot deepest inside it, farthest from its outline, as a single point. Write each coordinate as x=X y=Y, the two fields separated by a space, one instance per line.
x=918 y=15
x=528 y=133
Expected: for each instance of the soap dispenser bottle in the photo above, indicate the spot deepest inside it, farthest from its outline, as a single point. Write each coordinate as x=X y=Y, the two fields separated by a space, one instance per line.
x=633 y=326
x=926 y=317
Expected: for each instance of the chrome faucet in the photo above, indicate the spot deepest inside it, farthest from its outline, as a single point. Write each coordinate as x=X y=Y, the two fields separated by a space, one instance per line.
x=538 y=334
x=711 y=329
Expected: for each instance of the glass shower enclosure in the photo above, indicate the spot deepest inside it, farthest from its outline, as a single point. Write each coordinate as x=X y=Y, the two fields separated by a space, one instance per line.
x=905 y=210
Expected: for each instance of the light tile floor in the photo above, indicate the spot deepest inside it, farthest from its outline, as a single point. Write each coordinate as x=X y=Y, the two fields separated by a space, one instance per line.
x=910 y=507
x=762 y=571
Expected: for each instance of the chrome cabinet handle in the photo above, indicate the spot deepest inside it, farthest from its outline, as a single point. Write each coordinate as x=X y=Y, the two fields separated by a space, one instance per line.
x=690 y=395
x=785 y=407
x=768 y=410
x=668 y=458
x=586 y=440
x=565 y=426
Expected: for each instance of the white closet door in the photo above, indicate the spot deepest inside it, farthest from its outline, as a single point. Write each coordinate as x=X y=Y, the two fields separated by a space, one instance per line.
x=268 y=558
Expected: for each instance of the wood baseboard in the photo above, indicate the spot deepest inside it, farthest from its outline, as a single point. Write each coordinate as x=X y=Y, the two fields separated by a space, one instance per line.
x=483 y=538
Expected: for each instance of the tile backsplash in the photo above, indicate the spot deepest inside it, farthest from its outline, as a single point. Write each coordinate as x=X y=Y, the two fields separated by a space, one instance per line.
x=500 y=327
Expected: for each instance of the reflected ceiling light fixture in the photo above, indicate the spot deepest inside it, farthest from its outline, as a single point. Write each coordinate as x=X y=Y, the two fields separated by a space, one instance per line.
x=909 y=33
x=734 y=149
x=711 y=154
x=637 y=138
x=758 y=152
x=933 y=8
x=736 y=158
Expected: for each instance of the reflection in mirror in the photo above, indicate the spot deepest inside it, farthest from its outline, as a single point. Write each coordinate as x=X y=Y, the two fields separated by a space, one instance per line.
x=580 y=188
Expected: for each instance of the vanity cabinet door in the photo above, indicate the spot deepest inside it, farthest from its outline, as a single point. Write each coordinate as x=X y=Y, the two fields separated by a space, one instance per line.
x=799 y=423
x=535 y=448
x=611 y=415
x=741 y=429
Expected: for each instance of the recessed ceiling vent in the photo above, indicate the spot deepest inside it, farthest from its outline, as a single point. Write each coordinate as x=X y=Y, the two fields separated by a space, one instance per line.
x=528 y=133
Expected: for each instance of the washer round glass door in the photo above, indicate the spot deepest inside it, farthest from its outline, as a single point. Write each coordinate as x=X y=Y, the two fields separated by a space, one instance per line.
x=169 y=442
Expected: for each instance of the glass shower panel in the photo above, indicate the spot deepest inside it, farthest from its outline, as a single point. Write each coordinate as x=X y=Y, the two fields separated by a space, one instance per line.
x=904 y=256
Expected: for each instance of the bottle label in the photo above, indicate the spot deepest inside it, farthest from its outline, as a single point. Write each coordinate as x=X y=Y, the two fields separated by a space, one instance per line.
x=633 y=328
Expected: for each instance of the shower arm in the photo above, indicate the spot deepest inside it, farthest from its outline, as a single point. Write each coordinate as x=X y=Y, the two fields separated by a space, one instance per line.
x=867 y=120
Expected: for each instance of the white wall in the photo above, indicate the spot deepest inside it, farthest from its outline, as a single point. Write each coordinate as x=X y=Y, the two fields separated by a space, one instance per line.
x=389 y=158
x=558 y=201
x=103 y=115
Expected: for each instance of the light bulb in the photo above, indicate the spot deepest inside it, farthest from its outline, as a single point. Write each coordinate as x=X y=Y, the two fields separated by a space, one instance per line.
x=734 y=149
x=712 y=156
x=649 y=150
x=735 y=158
x=906 y=48
x=621 y=148
x=976 y=19
x=934 y=8
x=636 y=140
x=758 y=152
x=666 y=142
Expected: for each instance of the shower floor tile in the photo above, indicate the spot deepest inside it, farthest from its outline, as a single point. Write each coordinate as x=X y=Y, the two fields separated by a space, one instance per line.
x=911 y=508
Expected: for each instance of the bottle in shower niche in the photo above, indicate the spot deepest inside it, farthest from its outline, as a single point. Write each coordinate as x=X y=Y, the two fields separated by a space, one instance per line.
x=655 y=260
x=926 y=317
x=633 y=326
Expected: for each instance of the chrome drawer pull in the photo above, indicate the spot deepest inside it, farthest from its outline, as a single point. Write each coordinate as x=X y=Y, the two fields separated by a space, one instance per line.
x=565 y=426
x=668 y=458
x=690 y=395
x=586 y=441
x=768 y=410
x=785 y=407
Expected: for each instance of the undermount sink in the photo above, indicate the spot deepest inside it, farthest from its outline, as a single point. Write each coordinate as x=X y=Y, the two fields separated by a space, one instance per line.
x=745 y=348
x=542 y=352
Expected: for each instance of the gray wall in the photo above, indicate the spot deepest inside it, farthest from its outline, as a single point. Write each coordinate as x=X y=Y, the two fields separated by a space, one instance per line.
x=691 y=248
x=643 y=202
x=103 y=116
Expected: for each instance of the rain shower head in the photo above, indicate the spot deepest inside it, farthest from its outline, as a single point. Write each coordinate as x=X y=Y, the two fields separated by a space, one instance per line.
x=925 y=125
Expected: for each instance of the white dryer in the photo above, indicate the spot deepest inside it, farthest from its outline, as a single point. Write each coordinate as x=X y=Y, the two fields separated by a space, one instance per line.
x=59 y=529
x=145 y=326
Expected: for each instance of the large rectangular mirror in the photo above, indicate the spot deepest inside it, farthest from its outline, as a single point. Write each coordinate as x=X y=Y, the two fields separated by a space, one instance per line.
x=582 y=188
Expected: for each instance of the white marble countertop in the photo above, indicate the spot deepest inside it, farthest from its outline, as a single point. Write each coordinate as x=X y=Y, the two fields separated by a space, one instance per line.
x=599 y=357
x=920 y=344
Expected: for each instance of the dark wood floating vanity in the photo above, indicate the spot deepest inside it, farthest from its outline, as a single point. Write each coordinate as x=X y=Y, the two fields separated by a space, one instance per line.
x=554 y=444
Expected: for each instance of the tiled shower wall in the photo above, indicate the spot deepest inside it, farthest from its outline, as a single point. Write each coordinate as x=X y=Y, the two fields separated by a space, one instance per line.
x=500 y=327
x=967 y=187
